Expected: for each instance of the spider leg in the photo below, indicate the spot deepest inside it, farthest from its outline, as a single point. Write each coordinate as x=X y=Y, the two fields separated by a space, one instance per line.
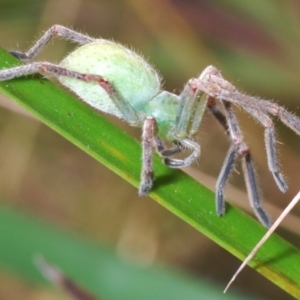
x=231 y=155
x=259 y=110
x=178 y=147
x=270 y=141
x=44 y=67
x=257 y=107
x=194 y=99
x=193 y=102
x=230 y=124
x=229 y=161
x=209 y=86
x=163 y=152
x=148 y=139
x=253 y=191
x=247 y=165
x=289 y=120
x=216 y=86
x=217 y=113
x=55 y=30
x=182 y=163
x=223 y=177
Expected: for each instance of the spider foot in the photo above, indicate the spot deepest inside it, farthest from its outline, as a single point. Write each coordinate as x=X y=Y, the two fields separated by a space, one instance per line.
x=18 y=54
x=280 y=182
x=263 y=217
x=144 y=189
x=220 y=203
x=146 y=184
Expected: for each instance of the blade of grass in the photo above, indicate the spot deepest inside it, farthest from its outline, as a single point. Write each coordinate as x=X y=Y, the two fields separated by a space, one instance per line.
x=175 y=190
x=93 y=266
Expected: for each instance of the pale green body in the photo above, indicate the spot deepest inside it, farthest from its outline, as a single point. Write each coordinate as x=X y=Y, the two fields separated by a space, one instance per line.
x=134 y=79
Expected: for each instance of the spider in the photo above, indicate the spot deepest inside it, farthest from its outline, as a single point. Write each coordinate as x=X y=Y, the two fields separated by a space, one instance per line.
x=115 y=80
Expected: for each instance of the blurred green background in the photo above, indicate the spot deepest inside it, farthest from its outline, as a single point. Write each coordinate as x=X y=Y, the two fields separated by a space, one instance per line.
x=255 y=45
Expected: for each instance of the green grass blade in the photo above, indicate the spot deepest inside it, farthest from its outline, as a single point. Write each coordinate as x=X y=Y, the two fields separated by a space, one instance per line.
x=173 y=189
x=91 y=265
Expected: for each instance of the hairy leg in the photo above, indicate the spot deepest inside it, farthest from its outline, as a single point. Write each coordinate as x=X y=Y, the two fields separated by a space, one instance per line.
x=55 y=30
x=182 y=163
x=217 y=87
x=193 y=101
x=148 y=140
x=223 y=178
x=230 y=124
x=44 y=67
x=167 y=152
